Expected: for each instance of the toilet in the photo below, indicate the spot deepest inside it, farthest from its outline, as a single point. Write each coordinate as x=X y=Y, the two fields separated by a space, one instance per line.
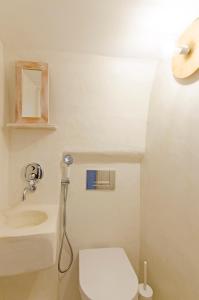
x=106 y=274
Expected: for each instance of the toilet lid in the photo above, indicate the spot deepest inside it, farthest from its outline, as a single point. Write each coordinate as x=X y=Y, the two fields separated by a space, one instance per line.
x=107 y=274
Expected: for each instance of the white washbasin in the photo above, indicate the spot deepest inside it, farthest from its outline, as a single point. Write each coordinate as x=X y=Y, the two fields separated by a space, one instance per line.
x=26 y=218
x=28 y=238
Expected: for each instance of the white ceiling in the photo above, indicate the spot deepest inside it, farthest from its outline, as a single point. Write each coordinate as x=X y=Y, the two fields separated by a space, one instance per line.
x=107 y=27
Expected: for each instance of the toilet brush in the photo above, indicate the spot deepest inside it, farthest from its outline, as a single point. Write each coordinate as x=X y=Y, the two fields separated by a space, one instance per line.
x=145 y=275
x=145 y=291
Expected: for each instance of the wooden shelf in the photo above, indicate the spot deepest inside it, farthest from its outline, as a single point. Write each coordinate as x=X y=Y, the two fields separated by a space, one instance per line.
x=32 y=126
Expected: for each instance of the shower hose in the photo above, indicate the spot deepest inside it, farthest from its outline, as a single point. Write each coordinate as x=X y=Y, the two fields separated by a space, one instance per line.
x=64 y=234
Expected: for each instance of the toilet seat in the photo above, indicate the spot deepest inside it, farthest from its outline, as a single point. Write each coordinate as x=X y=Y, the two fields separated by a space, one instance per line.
x=106 y=274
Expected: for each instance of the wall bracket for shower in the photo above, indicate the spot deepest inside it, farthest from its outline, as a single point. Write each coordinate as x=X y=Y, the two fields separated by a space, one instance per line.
x=185 y=61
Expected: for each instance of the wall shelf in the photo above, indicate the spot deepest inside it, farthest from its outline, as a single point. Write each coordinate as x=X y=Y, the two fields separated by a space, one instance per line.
x=107 y=156
x=32 y=126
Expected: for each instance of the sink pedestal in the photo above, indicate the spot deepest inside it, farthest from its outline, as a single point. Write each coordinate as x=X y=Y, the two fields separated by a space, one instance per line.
x=28 y=238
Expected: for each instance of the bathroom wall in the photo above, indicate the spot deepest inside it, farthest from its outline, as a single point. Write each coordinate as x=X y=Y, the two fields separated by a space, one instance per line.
x=33 y=286
x=170 y=189
x=103 y=218
x=4 y=136
x=100 y=107
x=95 y=219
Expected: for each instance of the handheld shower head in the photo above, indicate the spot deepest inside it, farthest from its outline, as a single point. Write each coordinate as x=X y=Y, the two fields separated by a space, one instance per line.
x=68 y=159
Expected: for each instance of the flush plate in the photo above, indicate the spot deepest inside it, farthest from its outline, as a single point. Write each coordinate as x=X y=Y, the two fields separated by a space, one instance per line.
x=100 y=179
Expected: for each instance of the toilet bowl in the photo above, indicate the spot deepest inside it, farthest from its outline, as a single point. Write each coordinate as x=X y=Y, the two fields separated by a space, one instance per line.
x=106 y=274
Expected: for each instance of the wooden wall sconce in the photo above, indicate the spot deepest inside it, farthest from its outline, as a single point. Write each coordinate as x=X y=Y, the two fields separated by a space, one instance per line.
x=185 y=61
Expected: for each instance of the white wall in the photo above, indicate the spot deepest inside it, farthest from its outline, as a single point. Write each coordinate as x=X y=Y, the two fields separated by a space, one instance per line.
x=95 y=219
x=138 y=28
x=4 y=137
x=103 y=218
x=100 y=105
x=170 y=189
x=39 y=285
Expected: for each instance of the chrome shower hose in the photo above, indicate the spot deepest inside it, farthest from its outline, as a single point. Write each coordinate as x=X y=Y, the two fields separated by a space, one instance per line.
x=64 y=236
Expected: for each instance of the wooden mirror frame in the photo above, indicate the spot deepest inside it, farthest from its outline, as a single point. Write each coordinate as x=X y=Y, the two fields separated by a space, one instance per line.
x=28 y=65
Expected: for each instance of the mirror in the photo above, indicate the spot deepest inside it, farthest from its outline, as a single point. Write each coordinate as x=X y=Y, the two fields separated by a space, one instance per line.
x=32 y=92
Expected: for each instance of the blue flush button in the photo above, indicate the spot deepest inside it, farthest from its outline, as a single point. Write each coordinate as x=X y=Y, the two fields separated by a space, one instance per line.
x=91 y=177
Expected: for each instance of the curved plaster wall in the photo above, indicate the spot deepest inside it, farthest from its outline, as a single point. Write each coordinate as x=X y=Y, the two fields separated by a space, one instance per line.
x=170 y=189
x=4 y=136
x=100 y=105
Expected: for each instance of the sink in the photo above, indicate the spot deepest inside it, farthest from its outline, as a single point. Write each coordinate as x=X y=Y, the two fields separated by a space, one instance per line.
x=26 y=218
x=28 y=238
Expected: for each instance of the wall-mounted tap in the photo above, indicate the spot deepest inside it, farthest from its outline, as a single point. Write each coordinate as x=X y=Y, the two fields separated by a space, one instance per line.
x=33 y=173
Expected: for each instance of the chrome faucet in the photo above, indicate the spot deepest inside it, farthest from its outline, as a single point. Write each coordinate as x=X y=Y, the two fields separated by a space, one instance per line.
x=33 y=173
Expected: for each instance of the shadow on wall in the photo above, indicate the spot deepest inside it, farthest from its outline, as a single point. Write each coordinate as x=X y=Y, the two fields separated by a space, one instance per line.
x=190 y=80
x=30 y=286
x=69 y=283
x=6 y=132
x=30 y=137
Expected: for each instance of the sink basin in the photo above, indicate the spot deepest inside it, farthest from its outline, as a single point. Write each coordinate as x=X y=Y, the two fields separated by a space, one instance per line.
x=26 y=218
x=28 y=238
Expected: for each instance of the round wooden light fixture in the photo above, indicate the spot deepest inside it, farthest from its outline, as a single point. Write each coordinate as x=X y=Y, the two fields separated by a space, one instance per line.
x=185 y=61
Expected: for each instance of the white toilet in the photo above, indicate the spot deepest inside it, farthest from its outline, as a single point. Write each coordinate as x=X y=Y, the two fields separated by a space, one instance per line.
x=106 y=274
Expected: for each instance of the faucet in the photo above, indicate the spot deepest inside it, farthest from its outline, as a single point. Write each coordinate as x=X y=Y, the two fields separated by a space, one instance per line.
x=26 y=189
x=33 y=173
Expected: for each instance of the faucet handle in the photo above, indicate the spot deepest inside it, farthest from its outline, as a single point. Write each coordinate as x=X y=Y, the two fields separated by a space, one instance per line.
x=33 y=171
x=32 y=176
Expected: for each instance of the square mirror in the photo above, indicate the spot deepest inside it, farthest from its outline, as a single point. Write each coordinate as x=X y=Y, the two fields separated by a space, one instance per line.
x=31 y=92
